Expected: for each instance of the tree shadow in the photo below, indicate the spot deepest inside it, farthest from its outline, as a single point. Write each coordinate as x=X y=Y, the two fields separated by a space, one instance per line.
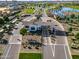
x=60 y=33
x=3 y=41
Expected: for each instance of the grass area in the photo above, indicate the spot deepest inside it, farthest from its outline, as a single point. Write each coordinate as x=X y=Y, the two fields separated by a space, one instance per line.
x=75 y=7
x=28 y=11
x=75 y=56
x=1 y=49
x=30 y=56
x=72 y=5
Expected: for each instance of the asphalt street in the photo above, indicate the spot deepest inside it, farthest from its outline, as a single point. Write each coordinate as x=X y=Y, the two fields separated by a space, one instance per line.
x=58 y=50
x=11 y=52
x=13 y=48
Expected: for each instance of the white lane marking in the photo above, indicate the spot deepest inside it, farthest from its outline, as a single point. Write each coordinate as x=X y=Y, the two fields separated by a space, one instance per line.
x=48 y=42
x=65 y=52
x=8 y=48
x=52 y=47
x=19 y=47
x=67 y=44
x=45 y=40
x=54 y=51
x=19 y=51
x=68 y=47
x=8 y=52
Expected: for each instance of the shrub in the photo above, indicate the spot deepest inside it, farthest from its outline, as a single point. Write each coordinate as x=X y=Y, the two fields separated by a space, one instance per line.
x=23 y=31
x=77 y=36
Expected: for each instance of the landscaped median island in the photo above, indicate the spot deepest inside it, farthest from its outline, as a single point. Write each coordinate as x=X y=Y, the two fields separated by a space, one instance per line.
x=30 y=56
x=31 y=47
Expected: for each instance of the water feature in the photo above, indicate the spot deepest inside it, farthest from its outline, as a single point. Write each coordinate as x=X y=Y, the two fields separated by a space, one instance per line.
x=60 y=12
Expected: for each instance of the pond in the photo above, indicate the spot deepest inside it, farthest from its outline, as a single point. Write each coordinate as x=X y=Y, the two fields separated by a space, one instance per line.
x=60 y=12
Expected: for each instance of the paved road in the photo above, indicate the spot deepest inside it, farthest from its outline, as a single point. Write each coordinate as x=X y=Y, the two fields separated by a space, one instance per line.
x=18 y=26
x=12 y=51
x=47 y=48
x=13 y=48
x=59 y=50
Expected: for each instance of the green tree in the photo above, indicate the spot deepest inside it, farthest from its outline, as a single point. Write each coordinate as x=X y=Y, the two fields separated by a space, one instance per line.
x=38 y=16
x=6 y=18
x=72 y=15
x=77 y=36
x=17 y=15
x=1 y=21
x=71 y=21
x=58 y=18
x=23 y=31
x=68 y=19
x=70 y=29
x=78 y=18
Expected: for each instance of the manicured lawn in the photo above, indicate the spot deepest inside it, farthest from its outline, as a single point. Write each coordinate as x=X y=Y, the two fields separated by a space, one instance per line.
x=75 y=56
x=30 y=56
x=28 y=11
x=75 y=7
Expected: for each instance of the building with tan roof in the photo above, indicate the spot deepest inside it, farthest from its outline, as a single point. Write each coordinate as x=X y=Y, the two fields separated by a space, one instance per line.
x=4 y=10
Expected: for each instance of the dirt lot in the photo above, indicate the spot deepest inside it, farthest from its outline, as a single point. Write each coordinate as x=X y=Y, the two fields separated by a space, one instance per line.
x=26 y=47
